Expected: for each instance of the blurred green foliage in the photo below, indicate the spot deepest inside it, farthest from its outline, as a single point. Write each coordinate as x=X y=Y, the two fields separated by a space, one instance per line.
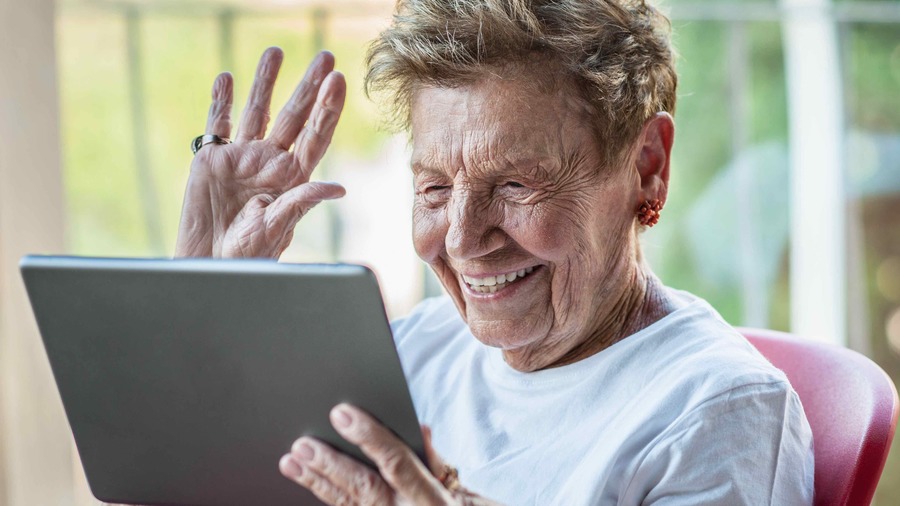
x=179 y=58
x=704 y=146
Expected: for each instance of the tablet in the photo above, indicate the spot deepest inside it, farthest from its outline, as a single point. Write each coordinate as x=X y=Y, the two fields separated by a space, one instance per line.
x=185 y=381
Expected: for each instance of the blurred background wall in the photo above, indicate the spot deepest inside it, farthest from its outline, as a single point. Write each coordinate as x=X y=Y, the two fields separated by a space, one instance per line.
x=752 y=224
x=36 y=454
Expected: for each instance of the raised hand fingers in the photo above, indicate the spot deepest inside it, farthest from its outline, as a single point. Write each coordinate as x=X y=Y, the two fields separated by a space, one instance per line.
x=296 y=111
x=218 y=122
x=396 y=462
x=256 y=113
x=284 y=213
x=316 y=135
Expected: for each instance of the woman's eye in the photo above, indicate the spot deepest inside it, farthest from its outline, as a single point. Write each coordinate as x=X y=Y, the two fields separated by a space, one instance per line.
x=515 y=191
x=435 y=194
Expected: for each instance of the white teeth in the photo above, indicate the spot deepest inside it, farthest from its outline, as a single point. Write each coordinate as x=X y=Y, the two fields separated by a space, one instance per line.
x=491 y=284
x=474 y=281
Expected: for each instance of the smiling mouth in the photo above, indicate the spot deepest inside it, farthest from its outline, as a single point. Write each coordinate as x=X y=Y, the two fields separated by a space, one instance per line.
x=493 y=284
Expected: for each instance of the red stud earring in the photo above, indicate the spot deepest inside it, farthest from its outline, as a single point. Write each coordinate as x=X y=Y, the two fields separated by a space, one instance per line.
x=648 y=214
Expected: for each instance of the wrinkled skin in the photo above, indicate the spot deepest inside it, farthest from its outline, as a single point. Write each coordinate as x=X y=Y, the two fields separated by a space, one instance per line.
x=244 y=199
x=401 y=478
x=507 y=177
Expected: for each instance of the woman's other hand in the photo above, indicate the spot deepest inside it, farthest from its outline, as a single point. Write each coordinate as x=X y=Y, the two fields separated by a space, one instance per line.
x=401 y=478
x=243 y=199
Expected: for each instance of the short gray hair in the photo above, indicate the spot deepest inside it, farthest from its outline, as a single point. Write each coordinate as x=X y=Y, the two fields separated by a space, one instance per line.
x=617 y=52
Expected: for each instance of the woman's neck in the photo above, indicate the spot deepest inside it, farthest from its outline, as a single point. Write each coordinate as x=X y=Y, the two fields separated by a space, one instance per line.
x=639 y=300
x=641 y=304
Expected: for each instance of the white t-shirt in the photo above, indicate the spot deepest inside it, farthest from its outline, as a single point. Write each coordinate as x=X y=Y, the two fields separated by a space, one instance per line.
x=685 y=411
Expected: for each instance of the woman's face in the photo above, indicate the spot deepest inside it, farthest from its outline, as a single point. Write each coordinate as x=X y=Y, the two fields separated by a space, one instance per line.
x=529 y=234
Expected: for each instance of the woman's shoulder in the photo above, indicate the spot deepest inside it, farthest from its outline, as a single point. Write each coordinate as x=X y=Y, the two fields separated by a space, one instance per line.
x=711 y=389
x=698 y=353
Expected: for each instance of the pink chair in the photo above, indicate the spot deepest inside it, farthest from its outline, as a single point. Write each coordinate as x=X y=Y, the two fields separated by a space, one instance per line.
x=851 y=405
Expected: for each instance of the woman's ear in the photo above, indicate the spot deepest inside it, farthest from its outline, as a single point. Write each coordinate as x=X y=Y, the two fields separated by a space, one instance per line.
x=652 y=164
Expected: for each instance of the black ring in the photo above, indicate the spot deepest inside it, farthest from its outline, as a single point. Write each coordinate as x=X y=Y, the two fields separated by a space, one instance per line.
x=203 y=140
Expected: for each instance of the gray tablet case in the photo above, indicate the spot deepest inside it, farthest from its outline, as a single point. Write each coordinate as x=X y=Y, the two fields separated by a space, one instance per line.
x=185 y=381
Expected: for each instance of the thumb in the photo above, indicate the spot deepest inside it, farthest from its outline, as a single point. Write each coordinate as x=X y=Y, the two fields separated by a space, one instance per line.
x=284 y=213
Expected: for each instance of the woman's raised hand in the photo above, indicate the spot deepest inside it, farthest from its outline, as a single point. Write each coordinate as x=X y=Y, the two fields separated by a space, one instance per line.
x=243 y=199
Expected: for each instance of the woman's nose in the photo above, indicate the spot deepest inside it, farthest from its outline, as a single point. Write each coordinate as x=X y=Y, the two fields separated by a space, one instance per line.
x=473 y=227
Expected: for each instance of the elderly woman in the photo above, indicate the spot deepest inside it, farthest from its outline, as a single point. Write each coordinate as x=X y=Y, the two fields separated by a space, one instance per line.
x=558 y=369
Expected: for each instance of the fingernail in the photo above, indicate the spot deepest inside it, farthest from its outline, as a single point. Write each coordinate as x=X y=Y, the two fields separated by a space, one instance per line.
x=290 y=467
x=305 y=452
x=341 y=417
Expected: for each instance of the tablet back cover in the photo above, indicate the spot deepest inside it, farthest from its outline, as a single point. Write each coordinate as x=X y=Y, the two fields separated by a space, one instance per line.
x=185 y=381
